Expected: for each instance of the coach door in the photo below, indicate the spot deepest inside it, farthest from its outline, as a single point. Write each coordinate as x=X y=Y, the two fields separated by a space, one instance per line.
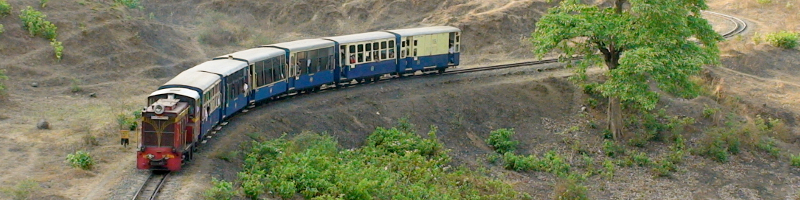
x=454 y=47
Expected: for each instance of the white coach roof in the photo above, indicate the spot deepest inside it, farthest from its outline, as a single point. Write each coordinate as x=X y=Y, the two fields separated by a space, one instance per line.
x=424 y=30
x=302 y=45
x=360 y=37
x=255 y=54
x=222 y=67
x=179 y=91
x=196 y=79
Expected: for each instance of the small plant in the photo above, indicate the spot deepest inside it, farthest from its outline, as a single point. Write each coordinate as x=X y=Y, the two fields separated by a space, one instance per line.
x=5 y=8
x=709 y=112
x=612 y=149
x=81 y=159
x=641 y=159
x=75 y=85
x=221 y=190
x=762 y=2
x=783 y=39
x=768 y=145
x=2 y=29
x=608 y=168
x=795 y=159
x=569 y=189
x=23 y=190
x=57 y=47
x=501 y=140
x=129 y=122
x=129 y=3
x=2 y=78
x=43 y=3
x=36 y=24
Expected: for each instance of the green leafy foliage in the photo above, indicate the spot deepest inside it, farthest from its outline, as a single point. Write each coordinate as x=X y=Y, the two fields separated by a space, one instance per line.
x=612 y=149
x=640 y=42
x=35 y=22
x=58 y=48
x=129 y=121
x=222 y=190
x=395 y=163
x=569 y=189
x=5 y=8
x=81 y=159
x=25 y=189
x=2 y=29
x=3 y=77
x=783 y=39
x=795 y=160
x=501 y=140
x=551 y=163
x=129 y=3
x=43 y=3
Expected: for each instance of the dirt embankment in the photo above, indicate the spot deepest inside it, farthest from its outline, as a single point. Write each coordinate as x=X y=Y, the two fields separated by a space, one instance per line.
x=123 y=54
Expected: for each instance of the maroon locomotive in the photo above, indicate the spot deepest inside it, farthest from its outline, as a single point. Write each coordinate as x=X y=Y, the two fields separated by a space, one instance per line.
x=166 y=139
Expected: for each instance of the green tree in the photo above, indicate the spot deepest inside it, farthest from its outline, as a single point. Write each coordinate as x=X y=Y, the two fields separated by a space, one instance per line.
x=664 y=42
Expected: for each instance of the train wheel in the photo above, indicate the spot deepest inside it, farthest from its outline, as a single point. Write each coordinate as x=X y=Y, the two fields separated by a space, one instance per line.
x=441 y=70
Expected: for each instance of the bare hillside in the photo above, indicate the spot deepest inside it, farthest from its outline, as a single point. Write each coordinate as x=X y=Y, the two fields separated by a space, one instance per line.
x=121 y=54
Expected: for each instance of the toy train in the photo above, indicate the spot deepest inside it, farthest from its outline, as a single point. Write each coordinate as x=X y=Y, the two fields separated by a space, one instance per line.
x=188 y=106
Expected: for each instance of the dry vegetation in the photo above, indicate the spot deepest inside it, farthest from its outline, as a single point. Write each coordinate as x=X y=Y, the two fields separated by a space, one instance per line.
x=121 y=53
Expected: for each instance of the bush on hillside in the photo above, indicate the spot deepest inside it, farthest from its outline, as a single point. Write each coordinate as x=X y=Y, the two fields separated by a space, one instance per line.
x=81 y=159
x=2 y=29
x=394 y=164
x=2 y=78
x=5 y=8
x=58 y=48
x=129 y=3
x=501 y=140
x=783 y=39
x=35 y=22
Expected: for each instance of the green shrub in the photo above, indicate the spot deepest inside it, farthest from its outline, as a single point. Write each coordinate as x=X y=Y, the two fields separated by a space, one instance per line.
x=641 y=159
x=221 y=190
x=5 y=8
x=36 y=24
x=709 y=112
x=612 y=149
x=81 y=159
x=2 y=29
x=551 y=163
x=501 y=140
x=764 y=1
x=795 y=160
x=393 y=164
x=2 y=78
x=58 y=48
x=23 y=190
x=608 y=168
x=768 y=145
x=129 y=3
x=569 y=189
x=783 y=39
x=43 y=3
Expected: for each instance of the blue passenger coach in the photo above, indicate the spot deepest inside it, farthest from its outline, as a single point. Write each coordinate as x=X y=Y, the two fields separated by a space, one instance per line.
x=267 y=69
x=202 y=91
x=311 y=63
x=427 y=48
x=235 y=76
x=366 y=56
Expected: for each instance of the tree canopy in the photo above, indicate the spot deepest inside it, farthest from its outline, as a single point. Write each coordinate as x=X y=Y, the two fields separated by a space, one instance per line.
x=665 y=41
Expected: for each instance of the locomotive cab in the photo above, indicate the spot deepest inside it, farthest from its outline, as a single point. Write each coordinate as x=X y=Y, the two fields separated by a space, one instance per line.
x=166 y=135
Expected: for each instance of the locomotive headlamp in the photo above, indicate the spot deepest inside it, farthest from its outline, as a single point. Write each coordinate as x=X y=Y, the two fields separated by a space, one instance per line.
x=159 y=109
x=150 y=156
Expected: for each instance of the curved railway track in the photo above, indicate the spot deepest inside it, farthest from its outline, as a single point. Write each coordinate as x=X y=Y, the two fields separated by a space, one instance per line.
x=739 y=25
x=152 y=186
x=150 y=189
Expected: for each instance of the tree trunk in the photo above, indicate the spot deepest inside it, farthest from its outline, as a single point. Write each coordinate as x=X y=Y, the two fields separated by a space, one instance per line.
x=615 y=123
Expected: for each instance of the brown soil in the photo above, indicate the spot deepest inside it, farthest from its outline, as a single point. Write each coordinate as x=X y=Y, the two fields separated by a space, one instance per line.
x=123 y=54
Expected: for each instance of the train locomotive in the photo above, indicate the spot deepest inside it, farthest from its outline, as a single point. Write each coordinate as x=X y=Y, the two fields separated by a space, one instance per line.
x=186 y=108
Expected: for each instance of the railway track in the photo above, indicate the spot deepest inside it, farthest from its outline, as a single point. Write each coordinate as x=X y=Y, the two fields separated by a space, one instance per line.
x=739 y=25
x=152 y=186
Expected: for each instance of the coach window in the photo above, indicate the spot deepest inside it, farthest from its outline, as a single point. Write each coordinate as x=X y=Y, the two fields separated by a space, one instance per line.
x=342 y=55
x=300 y=62
x=310 y=64
x=352 y=54
x=360 y=53
x=368 y=52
